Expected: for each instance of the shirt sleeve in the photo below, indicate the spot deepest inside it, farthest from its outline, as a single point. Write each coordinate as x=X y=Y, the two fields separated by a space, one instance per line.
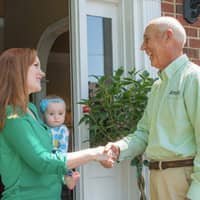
x=135 y=143
x=192 y=102
x=21 y=137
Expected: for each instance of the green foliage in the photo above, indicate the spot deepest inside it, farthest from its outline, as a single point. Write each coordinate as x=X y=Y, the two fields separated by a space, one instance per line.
x=117 y=106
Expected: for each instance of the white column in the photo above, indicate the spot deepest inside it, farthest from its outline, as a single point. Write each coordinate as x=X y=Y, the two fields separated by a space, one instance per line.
x=79 y=69
x=144 y=11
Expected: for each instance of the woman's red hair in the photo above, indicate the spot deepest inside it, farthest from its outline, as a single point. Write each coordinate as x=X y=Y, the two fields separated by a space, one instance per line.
x=14 y=64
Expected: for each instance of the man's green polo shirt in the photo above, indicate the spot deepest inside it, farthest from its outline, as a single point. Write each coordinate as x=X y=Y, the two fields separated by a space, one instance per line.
x=170 y=126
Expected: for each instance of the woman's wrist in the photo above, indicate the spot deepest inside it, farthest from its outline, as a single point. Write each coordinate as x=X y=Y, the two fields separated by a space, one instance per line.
x=98 y=154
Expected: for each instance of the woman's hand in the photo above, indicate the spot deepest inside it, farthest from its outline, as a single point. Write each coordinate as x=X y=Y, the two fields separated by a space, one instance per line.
x=103 y=156
x=113 y=152
x=100 y=154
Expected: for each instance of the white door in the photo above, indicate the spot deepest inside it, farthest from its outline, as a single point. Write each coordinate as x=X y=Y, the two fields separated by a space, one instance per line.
x=103 y=57
x=97 y=50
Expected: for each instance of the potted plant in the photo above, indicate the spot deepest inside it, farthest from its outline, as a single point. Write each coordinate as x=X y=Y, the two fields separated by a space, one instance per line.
x=114 y=108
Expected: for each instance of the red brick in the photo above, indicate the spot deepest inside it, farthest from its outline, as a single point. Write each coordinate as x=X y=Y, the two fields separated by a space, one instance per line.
x=197 y=23
x=192 y=53
x=191 y=32
x=179 y=1
x=194 y=43
x=168 y=1
x=168 y=14
x=197 y=62
x=182 y=20
x=166 y=7
x=178 y=16
x=187 y=43
x=174 y=8
x=179 y=9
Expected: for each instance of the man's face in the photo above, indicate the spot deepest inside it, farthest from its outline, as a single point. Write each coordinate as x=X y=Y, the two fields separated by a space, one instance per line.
x=154 y=46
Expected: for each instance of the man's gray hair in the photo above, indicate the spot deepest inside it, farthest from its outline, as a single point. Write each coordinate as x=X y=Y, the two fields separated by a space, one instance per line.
x=165 y=22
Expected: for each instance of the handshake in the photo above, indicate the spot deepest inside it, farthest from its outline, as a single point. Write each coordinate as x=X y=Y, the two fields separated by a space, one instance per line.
x=107 y=155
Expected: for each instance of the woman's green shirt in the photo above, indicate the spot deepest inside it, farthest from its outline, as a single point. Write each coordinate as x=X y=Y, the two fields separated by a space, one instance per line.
x=28 y=168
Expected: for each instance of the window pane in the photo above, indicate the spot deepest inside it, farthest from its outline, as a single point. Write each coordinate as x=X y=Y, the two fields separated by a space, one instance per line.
x=99 y=37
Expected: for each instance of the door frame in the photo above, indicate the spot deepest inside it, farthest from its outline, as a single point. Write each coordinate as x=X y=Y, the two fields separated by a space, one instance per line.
x=132 y=17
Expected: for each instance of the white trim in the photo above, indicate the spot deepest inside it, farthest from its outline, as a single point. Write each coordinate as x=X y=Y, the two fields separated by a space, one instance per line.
x=142 y=15
x=78 y=36
x=97 y=8
x=80 y=10
x=126 y=34
x=79 y=69
x=133 y=17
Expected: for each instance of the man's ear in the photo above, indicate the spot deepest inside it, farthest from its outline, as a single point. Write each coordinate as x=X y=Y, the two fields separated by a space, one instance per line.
x=169 y=33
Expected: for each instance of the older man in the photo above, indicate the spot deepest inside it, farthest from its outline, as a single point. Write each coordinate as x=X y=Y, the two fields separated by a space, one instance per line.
x=169 y=131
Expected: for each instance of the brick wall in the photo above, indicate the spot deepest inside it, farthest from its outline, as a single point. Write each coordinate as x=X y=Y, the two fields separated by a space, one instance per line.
x=174 y=8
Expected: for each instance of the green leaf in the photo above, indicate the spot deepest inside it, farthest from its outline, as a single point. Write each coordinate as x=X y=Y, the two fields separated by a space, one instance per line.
x=117 y=106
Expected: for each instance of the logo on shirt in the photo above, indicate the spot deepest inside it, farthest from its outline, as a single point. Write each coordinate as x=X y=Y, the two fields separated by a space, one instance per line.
x=173 y=92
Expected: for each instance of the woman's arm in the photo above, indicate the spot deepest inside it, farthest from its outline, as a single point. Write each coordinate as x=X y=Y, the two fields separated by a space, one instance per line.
x=31 y=142
x=78 y=158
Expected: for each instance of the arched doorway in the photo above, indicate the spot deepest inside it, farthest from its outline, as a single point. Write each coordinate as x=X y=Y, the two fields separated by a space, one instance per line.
x=54 y=53
x=45 y=44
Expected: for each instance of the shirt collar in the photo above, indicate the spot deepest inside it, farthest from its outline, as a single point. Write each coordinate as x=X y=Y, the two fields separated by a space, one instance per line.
x=170 y=70
x=55 y=128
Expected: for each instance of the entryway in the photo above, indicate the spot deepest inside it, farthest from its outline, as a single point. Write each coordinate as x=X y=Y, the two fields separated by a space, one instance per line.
x=54 y=53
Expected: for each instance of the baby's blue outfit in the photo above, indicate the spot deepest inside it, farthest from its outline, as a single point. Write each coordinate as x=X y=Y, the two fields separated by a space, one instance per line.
x=60 y=140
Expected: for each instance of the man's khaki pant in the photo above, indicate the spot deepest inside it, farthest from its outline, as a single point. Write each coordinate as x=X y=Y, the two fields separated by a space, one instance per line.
x=170 y=184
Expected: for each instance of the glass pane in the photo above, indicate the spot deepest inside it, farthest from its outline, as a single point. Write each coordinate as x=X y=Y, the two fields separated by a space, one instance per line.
x=99 y=37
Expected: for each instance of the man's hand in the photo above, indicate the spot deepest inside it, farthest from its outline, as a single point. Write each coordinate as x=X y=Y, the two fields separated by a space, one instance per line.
x=113 y=151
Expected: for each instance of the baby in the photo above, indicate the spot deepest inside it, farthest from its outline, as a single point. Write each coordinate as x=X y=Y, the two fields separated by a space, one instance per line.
x=53 y=109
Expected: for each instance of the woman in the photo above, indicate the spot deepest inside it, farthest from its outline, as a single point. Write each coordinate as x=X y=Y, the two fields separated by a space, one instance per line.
x=29 y=169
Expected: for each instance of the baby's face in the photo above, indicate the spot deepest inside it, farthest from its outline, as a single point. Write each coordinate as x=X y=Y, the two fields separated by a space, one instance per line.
x=55 y=114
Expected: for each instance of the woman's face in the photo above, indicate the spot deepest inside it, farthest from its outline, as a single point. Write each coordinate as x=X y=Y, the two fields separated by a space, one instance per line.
x=34 y=77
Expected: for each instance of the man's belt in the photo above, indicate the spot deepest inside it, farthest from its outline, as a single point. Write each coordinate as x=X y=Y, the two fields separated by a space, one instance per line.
x=160 y=165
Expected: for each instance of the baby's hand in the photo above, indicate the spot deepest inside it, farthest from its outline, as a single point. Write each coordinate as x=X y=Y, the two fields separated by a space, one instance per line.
x=71 y=181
